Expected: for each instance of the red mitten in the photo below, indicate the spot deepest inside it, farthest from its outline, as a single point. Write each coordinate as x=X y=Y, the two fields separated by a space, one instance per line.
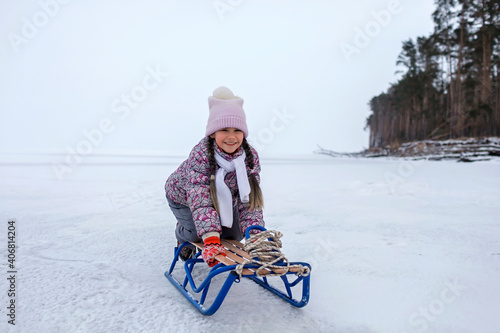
x=211 y=248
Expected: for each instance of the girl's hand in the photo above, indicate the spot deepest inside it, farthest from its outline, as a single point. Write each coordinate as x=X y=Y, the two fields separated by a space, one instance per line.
x=211 y=248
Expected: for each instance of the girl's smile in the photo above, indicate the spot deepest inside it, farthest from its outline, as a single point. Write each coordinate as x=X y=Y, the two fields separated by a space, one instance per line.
x=228 y=139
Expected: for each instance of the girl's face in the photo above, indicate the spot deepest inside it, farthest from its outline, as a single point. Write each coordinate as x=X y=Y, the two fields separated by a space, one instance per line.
x=228 y=139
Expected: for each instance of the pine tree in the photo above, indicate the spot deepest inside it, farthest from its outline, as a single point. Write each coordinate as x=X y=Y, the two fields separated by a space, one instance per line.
x=449 y=85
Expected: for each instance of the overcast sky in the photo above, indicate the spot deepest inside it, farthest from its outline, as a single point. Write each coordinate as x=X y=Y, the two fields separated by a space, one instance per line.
x=135 y=75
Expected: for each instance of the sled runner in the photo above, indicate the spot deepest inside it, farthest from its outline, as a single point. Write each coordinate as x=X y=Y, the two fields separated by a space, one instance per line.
x=240 y=264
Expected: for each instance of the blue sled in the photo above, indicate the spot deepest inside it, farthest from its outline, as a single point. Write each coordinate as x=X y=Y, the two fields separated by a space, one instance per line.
x=231 y=278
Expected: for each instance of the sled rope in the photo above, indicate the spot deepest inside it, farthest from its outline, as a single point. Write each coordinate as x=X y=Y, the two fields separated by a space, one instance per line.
x=266 y=247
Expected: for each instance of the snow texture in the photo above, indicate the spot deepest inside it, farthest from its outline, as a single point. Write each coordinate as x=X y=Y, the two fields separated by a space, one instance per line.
x=395 y=245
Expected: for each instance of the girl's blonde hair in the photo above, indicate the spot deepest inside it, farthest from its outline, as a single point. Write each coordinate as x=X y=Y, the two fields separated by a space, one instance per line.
x=256 y=198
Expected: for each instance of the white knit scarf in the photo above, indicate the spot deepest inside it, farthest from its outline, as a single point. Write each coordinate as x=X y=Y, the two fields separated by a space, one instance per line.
x=224 y=193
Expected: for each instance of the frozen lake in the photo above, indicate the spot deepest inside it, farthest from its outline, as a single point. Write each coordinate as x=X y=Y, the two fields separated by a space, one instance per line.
x=396 y=246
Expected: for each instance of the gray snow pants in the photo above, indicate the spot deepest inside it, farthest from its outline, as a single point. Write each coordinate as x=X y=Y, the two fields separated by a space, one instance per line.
x=185 y=231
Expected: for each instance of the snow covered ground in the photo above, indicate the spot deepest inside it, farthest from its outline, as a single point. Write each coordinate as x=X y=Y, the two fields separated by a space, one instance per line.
x=396 y=246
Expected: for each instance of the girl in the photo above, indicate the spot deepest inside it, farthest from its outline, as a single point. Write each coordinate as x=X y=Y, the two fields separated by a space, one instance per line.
x=215 y=193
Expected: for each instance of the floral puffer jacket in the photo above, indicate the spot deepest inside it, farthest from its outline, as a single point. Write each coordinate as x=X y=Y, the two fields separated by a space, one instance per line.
x=189 y=185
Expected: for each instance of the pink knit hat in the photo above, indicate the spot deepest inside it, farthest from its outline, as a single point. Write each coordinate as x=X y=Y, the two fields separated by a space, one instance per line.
x=226 y=110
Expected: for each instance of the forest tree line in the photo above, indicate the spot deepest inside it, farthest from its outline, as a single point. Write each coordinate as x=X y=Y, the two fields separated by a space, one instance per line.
x=449 y=86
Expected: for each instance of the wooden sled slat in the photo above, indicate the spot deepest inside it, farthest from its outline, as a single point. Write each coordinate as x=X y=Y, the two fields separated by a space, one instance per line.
x=236 y=255
x=235 y=247
x=238 y=247
x=229 y=259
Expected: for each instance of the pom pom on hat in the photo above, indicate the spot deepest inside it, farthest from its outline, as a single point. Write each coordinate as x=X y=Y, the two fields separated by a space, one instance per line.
x=225 y=110
x=223 y=93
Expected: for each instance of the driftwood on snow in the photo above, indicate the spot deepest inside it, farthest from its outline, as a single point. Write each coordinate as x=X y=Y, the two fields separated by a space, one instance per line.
x=467 y=150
